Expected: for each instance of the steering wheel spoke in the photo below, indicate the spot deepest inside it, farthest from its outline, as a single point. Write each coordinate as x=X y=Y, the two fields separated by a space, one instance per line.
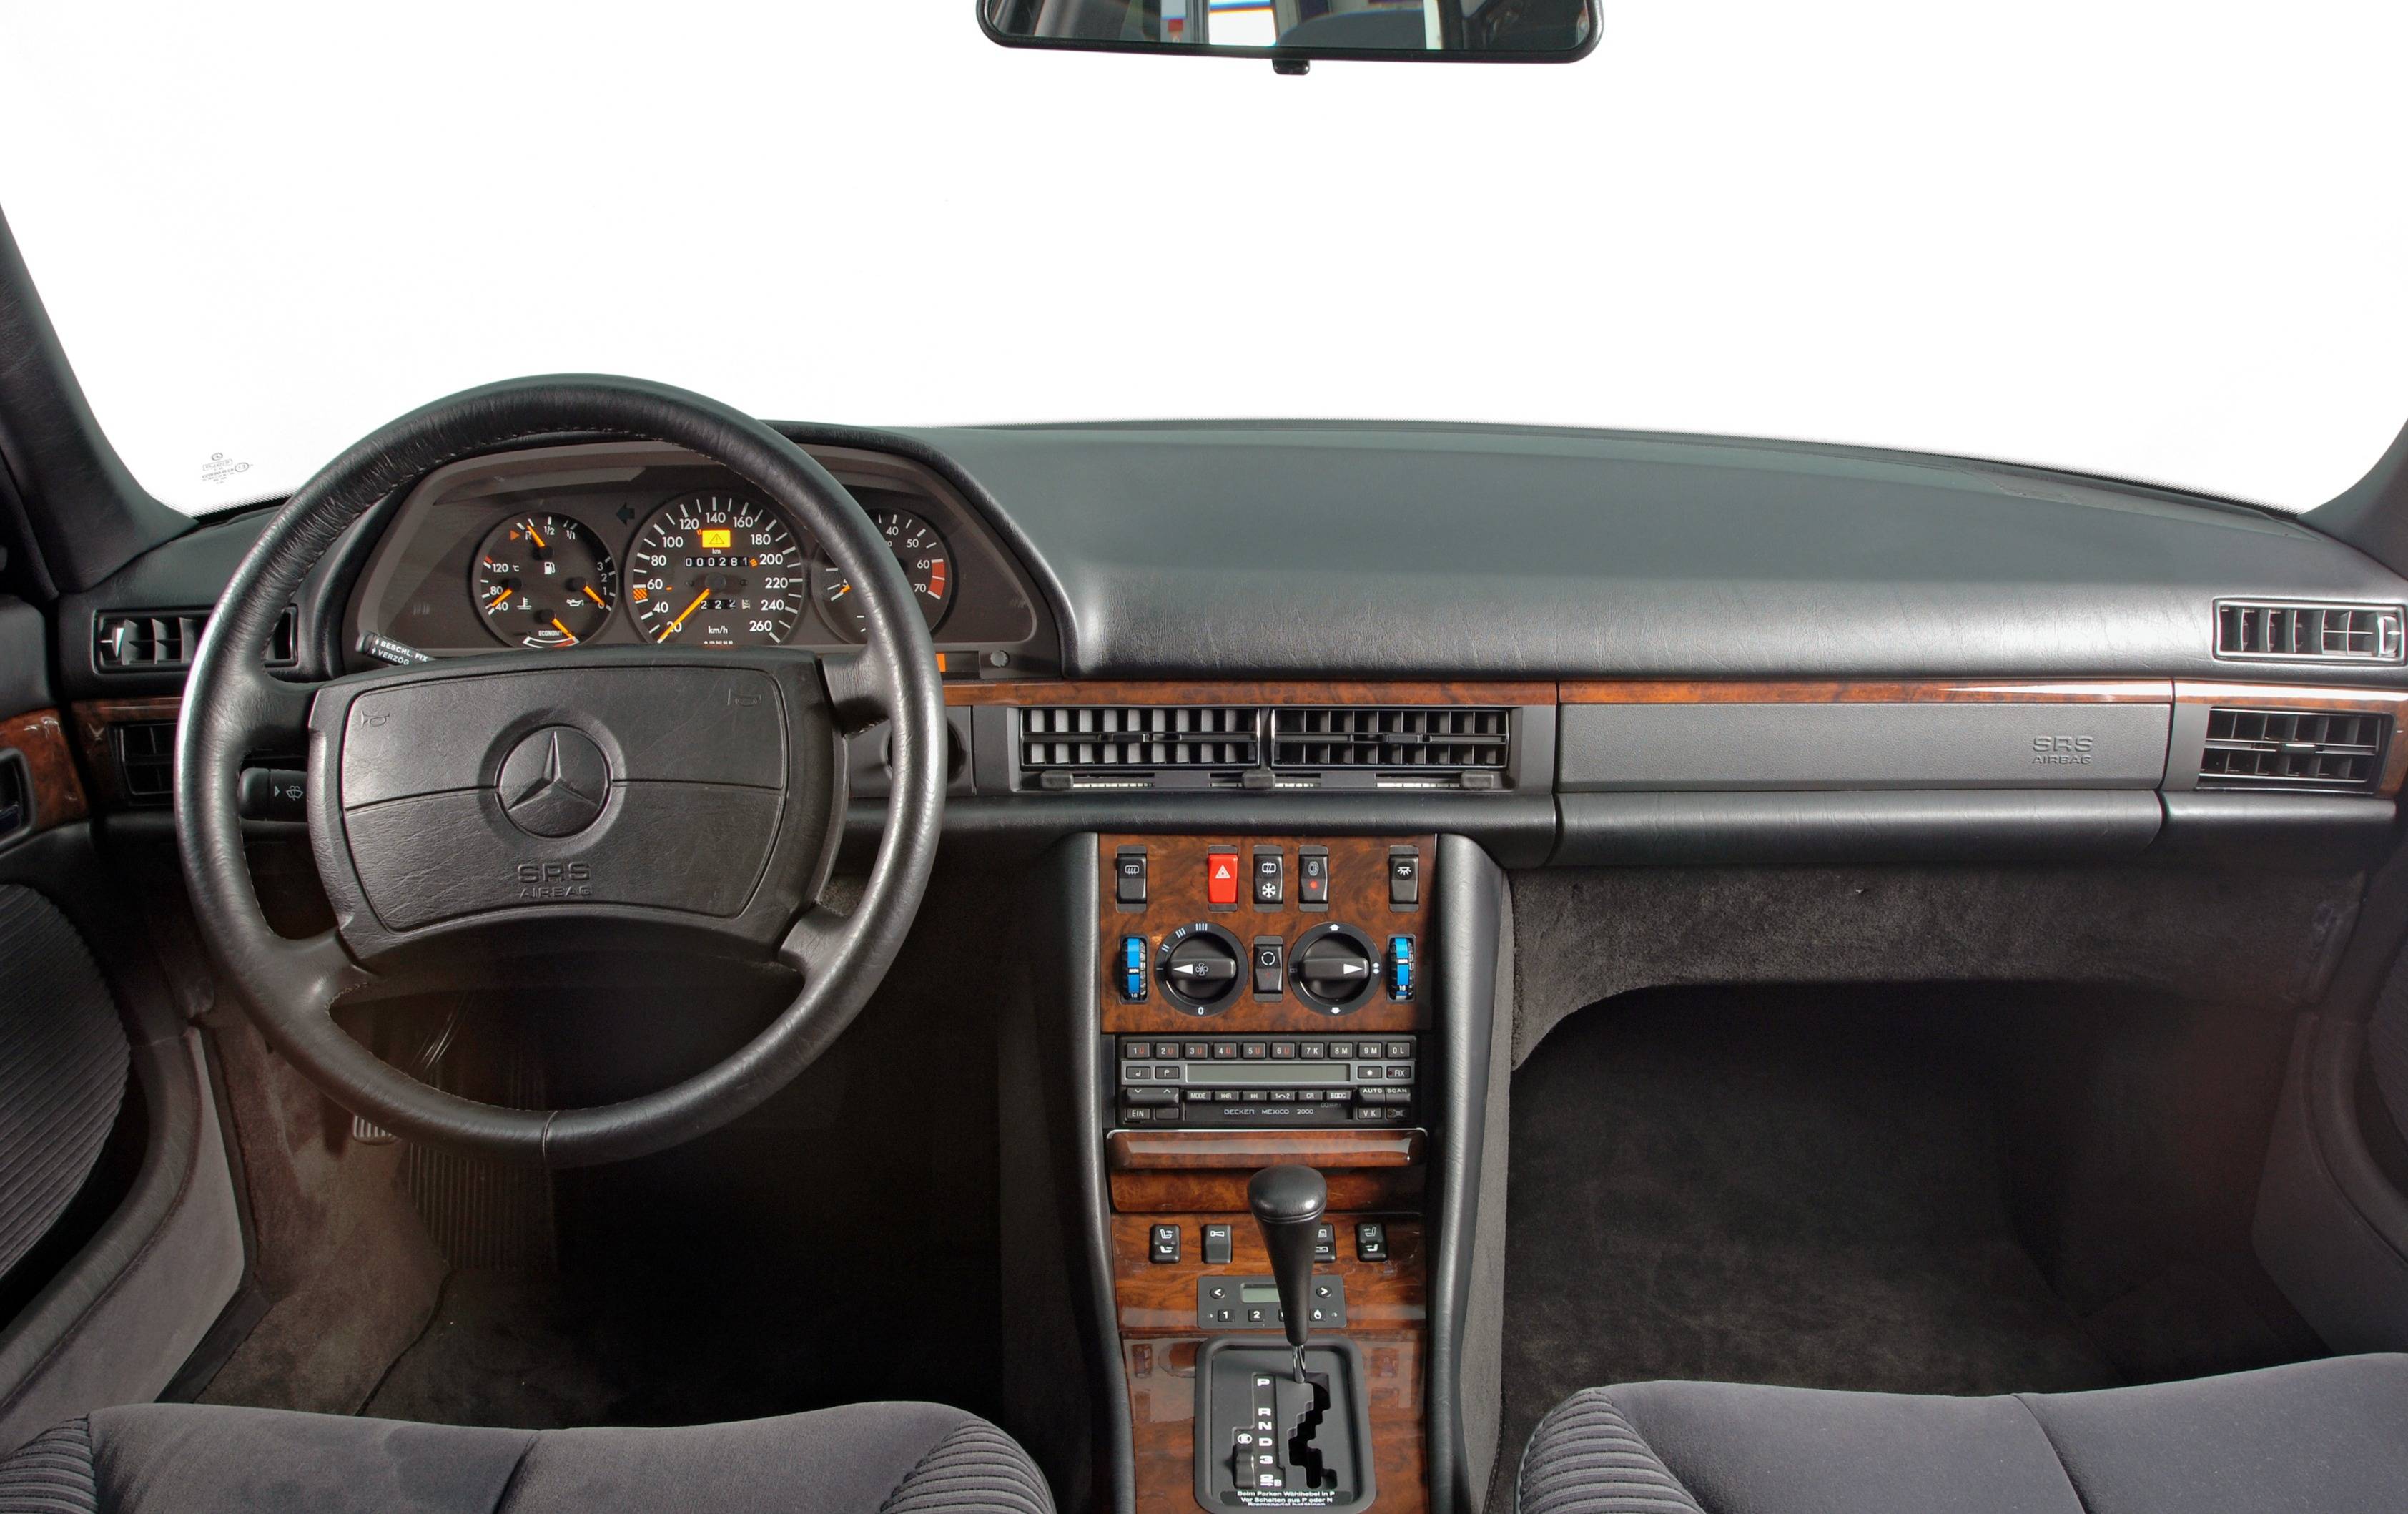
x=317 y=969
x=266 y=715
x=815 y=940
x=859 y=685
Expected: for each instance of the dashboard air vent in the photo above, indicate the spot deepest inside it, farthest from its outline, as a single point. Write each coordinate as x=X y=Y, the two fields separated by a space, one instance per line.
x=2258 y=629
x=146 y=761
x=1139 y=738
x=2292 y=749
x=1397 y=738
x=163 y=641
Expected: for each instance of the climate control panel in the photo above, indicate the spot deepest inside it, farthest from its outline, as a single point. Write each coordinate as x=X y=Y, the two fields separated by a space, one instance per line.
x=1255 y=933
x=1253 y=1082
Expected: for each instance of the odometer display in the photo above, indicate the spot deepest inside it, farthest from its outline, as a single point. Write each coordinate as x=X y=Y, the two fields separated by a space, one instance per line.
x=716 y=570
x=927 y=567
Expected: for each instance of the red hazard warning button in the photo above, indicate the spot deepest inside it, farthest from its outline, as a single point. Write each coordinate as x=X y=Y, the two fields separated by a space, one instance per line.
x=1220 y=878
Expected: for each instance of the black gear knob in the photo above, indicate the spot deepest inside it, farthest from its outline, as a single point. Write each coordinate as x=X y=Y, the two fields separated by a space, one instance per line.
x=1288 y=1203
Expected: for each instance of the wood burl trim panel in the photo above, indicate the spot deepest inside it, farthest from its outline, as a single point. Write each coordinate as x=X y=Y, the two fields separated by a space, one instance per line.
x=40 y=738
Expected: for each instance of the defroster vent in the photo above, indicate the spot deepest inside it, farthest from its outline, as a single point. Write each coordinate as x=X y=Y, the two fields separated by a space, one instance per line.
x=2293 y=749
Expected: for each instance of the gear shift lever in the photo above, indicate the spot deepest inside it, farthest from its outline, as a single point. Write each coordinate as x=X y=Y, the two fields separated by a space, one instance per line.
x=1288 y=1202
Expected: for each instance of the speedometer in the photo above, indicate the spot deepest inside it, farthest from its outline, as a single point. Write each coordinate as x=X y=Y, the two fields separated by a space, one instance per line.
x=716 y=570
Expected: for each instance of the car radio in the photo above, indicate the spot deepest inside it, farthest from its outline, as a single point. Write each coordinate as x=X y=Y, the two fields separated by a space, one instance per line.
x=1255 y=1081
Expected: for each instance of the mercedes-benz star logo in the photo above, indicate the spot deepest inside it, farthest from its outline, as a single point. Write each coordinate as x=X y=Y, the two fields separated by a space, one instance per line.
x=553 y=783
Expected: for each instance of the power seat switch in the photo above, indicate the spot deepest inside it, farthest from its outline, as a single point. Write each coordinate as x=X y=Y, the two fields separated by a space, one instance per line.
x=1403 y=962
x=1128 y=876
x=1131 y=969
x=1371 y=1240
x=1221 y=880
x=1166 y=1244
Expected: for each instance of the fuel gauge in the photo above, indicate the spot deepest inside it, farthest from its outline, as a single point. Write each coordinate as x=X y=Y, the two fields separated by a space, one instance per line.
x=542 y=581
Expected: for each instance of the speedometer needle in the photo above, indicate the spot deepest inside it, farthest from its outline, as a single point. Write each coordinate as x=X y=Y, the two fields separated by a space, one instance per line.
x=681 y=614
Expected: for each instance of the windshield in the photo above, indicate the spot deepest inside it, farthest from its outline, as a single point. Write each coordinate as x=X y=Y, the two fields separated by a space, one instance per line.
x=2161 y=240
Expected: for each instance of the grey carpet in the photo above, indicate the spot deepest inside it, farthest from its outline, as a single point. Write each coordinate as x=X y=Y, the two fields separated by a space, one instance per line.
x=1767 y=1186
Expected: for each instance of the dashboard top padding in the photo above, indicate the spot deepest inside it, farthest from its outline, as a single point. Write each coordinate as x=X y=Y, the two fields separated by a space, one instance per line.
x=1454 y=552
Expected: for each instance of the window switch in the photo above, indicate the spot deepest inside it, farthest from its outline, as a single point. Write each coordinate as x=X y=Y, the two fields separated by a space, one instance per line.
x=1219 y=1245
x=1371 y=1240
x=1165 y=1243
x=1324 y=1243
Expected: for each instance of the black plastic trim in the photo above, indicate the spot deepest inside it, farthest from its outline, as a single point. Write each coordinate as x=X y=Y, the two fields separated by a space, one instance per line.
x=2327 y=830
x=1466 y=917
x=1078 y=1090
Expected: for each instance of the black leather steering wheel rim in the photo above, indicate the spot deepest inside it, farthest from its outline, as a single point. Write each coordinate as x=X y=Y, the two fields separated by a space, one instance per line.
x=232 y=706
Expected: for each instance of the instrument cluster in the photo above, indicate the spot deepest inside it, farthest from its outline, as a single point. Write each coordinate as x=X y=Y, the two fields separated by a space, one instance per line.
x=544 y=550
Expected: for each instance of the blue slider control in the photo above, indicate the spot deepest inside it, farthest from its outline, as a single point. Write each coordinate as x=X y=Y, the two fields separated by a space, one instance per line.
x=1133 y=967
x=1400 y=968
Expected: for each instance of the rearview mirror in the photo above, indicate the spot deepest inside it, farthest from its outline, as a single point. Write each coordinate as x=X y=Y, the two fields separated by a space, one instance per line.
x=1293 y=31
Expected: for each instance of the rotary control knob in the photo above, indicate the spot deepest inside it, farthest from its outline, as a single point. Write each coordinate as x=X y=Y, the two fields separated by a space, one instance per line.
x=1335 y=967
x=1199 y=966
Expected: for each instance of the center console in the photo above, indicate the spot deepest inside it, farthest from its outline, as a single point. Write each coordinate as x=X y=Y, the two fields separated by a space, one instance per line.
x=1263 y=1003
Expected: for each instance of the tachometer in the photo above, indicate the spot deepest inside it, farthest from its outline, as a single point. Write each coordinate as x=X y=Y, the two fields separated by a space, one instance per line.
x=927 y=567
x=542 y=581
x=717 y=570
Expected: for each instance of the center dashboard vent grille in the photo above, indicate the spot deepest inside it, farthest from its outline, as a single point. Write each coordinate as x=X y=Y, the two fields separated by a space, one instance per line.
x=1260 y=747
x=2293 y=749
x=1138 y=738
x=1398 y=738
x=2270 y=632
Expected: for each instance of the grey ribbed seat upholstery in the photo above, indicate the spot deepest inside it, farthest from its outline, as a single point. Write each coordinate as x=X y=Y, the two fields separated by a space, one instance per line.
x=2326 y=1435
x=862 y=1458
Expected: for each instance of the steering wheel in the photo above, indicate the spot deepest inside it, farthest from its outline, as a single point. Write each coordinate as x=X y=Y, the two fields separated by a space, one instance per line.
x=563 y=797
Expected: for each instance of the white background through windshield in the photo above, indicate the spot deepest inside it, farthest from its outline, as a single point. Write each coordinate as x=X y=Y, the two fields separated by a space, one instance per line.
x=2154 y=237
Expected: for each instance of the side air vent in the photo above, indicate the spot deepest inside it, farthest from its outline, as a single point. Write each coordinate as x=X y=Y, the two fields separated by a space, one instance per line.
x=1402 y=739
x=1127 y=743
x=2292 y=749
x=146 y=761
x=2264 y=630
x=143 y=641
